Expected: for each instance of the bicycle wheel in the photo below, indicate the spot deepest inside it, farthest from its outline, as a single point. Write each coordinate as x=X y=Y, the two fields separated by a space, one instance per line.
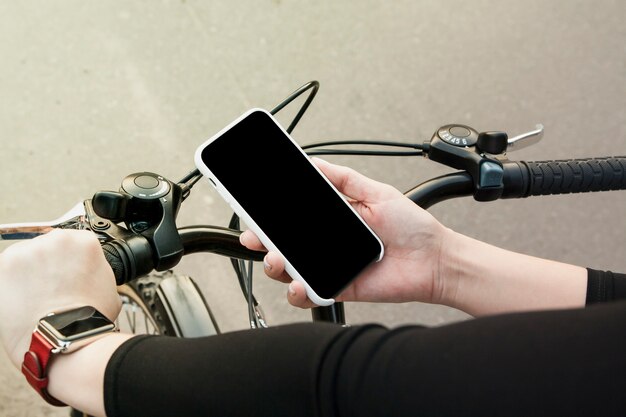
x=167 y=304
x=139 y=314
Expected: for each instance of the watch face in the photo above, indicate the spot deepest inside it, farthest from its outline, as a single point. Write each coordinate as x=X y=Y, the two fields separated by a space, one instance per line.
x=76 y=324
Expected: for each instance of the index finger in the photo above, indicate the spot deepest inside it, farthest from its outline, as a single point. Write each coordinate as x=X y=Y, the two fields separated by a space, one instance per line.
x=251 y=241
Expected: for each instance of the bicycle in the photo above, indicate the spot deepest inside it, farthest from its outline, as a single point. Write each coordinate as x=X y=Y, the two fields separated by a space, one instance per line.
x=137 y=225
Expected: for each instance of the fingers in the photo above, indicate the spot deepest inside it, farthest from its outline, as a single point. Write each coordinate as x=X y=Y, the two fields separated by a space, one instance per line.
x=296 y=295
x=274 y=266
x=251 y=241
x=273 y=263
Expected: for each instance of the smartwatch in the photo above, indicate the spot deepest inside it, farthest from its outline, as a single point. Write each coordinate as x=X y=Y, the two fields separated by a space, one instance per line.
x=62 y=332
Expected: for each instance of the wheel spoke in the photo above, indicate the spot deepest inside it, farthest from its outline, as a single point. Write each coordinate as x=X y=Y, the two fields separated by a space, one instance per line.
x=132 y=317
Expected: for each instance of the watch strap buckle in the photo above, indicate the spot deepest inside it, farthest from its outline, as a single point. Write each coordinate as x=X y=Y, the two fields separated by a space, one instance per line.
x=35 y=371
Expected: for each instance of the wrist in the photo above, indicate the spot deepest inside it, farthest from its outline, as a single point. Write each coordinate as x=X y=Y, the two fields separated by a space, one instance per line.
x=77 y=378
x=450 y=268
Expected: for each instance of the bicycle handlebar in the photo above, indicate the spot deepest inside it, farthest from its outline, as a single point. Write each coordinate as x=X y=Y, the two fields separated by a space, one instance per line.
x=131 y=258
x=571 y=176
x=151 y=241
x=525 y=179
x=132 y=255
x=436 y=190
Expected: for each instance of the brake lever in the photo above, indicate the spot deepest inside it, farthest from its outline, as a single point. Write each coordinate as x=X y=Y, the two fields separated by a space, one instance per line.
x=525 y=139
x=75 y=219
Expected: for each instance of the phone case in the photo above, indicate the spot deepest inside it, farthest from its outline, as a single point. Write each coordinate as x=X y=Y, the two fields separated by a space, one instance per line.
x=251 y=224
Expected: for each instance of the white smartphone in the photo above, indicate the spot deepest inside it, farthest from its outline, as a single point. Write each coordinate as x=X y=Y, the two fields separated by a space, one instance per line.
x=293 y=208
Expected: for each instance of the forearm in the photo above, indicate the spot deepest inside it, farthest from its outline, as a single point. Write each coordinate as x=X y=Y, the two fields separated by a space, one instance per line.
x=483 y=279
x=77 y=379
x=529 y=364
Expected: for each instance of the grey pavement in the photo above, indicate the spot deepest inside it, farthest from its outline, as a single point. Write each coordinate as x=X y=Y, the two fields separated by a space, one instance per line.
x=92 y=91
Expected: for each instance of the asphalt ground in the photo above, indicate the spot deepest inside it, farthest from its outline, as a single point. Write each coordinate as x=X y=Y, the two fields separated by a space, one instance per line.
x=92 y=91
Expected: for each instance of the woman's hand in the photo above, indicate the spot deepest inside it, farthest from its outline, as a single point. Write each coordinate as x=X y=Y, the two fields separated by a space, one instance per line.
x=54 y=272
x=409 y=270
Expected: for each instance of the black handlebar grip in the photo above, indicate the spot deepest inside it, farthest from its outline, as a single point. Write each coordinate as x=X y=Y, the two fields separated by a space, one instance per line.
x=115 y=258
x=576 y=176
x=129 y=258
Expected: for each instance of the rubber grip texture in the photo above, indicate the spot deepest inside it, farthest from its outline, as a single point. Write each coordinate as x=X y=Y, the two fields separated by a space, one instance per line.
x=114 y=258
x=577 y=175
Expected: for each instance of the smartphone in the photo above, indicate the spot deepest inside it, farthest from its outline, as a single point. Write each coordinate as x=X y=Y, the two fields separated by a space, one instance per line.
x=293 y=208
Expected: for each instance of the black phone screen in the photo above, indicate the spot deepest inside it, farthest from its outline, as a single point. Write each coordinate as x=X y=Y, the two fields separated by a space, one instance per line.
x=292 y=203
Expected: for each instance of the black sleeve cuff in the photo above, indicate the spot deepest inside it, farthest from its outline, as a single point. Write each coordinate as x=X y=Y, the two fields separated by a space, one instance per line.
x=603 y=286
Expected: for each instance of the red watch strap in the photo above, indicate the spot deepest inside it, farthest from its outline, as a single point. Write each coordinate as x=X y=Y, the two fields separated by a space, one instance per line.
x=35 y=367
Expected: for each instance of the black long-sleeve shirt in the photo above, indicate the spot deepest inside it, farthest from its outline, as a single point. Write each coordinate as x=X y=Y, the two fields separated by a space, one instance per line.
x=552 y=363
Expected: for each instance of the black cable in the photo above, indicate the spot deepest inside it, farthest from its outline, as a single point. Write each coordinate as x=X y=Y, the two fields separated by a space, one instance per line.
x=362 y=152
x=314 y=86
x=364 y=142
x=188 y=182
x=247 y=274
x=247 y=281
x=189 y=176
x=418 y=148
x=311 y=85
x=237 y=266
